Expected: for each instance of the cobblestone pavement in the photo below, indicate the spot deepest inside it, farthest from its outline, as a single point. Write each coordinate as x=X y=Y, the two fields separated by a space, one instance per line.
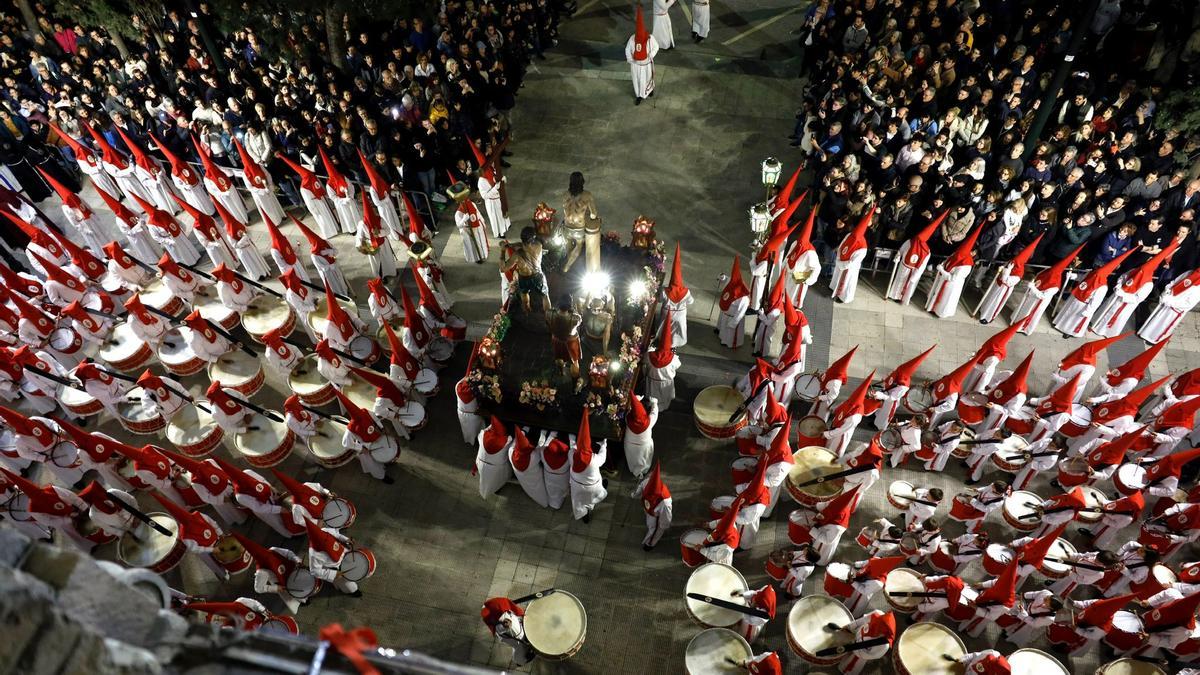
x=688 y=158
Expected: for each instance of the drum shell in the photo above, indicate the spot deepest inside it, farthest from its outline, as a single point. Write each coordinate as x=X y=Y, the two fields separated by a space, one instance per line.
x=807 y=387
x=798 y=533
x=1154 y=582
x=186 y=366
x=716 y=428
x=903 y=605
x=1095 y=499
x=1007 y=465
x=300 y=595
x=742 y=469
x=972 y=409
x=1121 y=639
x=918 y=399
x=810 y=431
x=91 y=532
x=85 y=406
x=794 y=640
x=282 y=623
x=692 y=557
x=897 y=488
x=942 y=561
x=729 y=617
x=1078 y=423
x=1128 y=479
x=807 y=458
x=285 y=327
x=746 y=651
x=993 y=565
x=1052 y=570
x=777 y=564
x=136 y=359
x=246 y=388
x=150 y=425
x=1019 y=426
x=73 y=343
x=1013 y=519
x=1154 y=539
x=1129 y=666
x=1072 y=471
x=369 y=354
x=898 y=660
x=204 y=446
x=372 y=565
x=269 y=459
x=315 y=397
x=332 y=513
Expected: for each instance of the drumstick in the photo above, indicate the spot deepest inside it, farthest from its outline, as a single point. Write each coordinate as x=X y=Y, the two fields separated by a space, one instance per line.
x=913 y=498
x=852 y=647
x=917 y=594
x=746 y=404
x=110 y=373
x=837 y=474
x=534 y=596
x=187 y=398
x=54 y=378
x=315 y=287
x=136 y=513
x=171 y=318
x=266 y=289
x=1072 y=563
x=344 y=355
x=332 y=418
x=190 y=268
x=255 y=407
x=723 y=604
x=143 y=265
x=229 y=336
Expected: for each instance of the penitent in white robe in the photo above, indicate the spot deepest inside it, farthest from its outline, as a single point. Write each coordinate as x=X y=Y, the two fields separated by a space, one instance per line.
x=1173 y=304
x=1118 y=307
x=1074 y=315
x=265 y=200
x=660 y=382
x=587 y=486
x=731 y=323
x=845 y=276
x=318 y=206
x=493 y=206
x=997 y=294
x=494 y=469
x=642 y=71
x=1033 y=305
x=639 y=447
x=906 y=275
x=662 y=30
x=808 y=267
x=946 y=290
x=700 y=17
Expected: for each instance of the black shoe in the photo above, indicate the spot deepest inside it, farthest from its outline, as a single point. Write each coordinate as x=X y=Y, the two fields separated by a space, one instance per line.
x=355 y=594
x=699 y=40
x=637 y=100
x=1048 y=583
x=646 y=547
x=970 y=481
x=984 y=321
x=505 y=164
x=587 y=517
x=604 y=483
x=1067 y=337
x=388 y=480
x=652 y=92
x=1084 y=531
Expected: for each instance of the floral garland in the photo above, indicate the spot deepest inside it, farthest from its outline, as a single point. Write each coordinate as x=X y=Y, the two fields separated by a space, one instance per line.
x=539 y=394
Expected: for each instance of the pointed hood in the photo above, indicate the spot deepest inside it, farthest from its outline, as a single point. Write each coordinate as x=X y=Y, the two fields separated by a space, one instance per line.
x=337 y=315
x=1051 y=277
x=266 y=559
x=324 y=542
x=140 y=158
x=40 y=320
x=119 y=210
x=775 y=298
x=378 y=183
x=1143 y=274
x=784 y=198
x=663 y=354
x=1135 y=368
x=1184 y=281
x=91 y=266
x=19 y=423
x=244 y=483
x=211 y=171
x=316 y=243
x=780 y=223
x=304 y=496
x=1088 y=352
x=918 y=246
x=1171 y=465
x=736 y=288
x=98 y=498
x=677 y=290
x=556 y=453
x=1035 y=551
x=757 y=491
x=581 y=457
x=840 y=369
x=1181 y=414
x=1014 y=384
x=400 y=356
x=773 y=413
x=180 y=169
x=871 y=455
x=963 y=255
x=308 y=179
x=781 y=447
x=279 y=242
x=641 y=37
x=82 y=151
x=903 y=374
x=137 y=308
x=838 y=510
x=856 y=403
x=362 y=422
x=250 y=168
x=371 y=220
x=27 y=286
x=879 y=568
x=416 y=224
x=770 y=248
x=1181 y=612
x=803 y=242
x=99 y=447
x=1132 y=505
x=41 y=499
x=1098 y=278
x=1061 y=400
x=379 y=291
x=159 y=218
x=36 y=234
x=57 y=274
x=637 y=420
x=522 y=450
x=337 y=182
x=997 y=345
x=489 y=172
x=1100 y=612
x=428 y=300
x=384 y=387
x=857 y=239
x=952 y=382
x=726 y=531
x=65 y=194
x=107 y=152
x=1128 y=404
x=655 y=490
x=213 y=478
x=417 y=330
x=119 y=256
x=201 y=222
x=495 y=437
x=1073 y=501
x=1020 y=260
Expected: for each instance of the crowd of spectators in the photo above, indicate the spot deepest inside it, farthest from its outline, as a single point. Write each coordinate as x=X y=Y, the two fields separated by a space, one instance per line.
x=408 y=94
x=920 y=107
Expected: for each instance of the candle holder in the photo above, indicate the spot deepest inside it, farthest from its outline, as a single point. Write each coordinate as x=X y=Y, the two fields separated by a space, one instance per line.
x=489 y=353
x=643 y=236
x=598 y=372
x=543 y=220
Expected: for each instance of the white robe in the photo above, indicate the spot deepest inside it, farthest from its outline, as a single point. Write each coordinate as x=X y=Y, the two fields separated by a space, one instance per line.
x=845 y=276
x=1074 y=314
x=764 y=332
x=475 y=241
x=889 y=401
x=253 y=263
x=93 y=233
x=219 y=251
x=657 y=522
x=1033 y=305
x=641 y=71
x=331 y=273
x=587 y=486
x=558 y=481
x=905 y=279
x=494 y=470
x=660 y=382
x=946 y=290
x=99 y=176
x=470 y=420
x=388 y=214
x=731 y=323
x=1168 y=313
x=231 y=199
x=319 y=208
x=661 y=30
x=181 y=248
x=195 y=196
x=531 y=479
x=1117 y=309
x=383 y=260
x=158 y=186
x=639 y=447
x=493 y=207
x=997 y=294
x=141 y=245
x=265 y=200
x=678 y=312
x=700 y=17
x=348 y=211
x=808 y=265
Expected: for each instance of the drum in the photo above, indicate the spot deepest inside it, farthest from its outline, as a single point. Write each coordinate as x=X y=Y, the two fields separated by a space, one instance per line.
x=918 y=399
x=1009 y=459
x=365 y=349
x=995 y=558
x=308 y=384
x=1079 y=422
x=972 y=408
x=440 y=349
x=1095 y=500
x=79 y=402
x=713 y=408
x=230 y=554
x=65 y=455
x=716 y=651
x=1072 y=471
x=716 y=581
x=890 y=440
x=151 y=549
x=810 y=463
x=123 y=351
x=1160 y=578
x=265 y=443
x=140 y=416
x=426 y=382
x=719 y=505
x=1061 y=549
x=689 y=546
x=899 y=493
x=209 y=305
x=156 y=295
x=943 y=560
x=326 y=446
x=811 y=430
x=301 y=584
x=779 y=563
x=1019 y=505
x=338 y=513
x=17 y=508
x=280 y=624
x=412 y=416
x=1130 y=667
x=92 y=532
x=903 y=580
x=1035 y=662
x=1129 y=478
x=237 y=371
x=177 y=356
x=267 y=313
x=316 y=318
x=922 y=650
x=799 y=523
x=358 y=564
x=962 y=450
x=360 y=392
x=1019 y=426
x=807 y=387
x=194 y=432
x=66 y=343
x=806 y=631
x=556 y=625
x=742 y=469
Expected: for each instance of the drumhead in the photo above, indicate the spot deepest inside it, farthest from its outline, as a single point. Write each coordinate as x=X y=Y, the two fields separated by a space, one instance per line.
x=262 y=440
x=901 y=489
x=264 y=314
x=327 y=442
x=715 y=404
x=921 y=646
x=807 y=387
x=1062 y=550
x=138 y=411
x=301 y=583
x=1130 y=667
x=1163 y=574
x=151 y=546
x=710 y=653
x=210 y=306
x=190 y=426
x=155 y=294
x=120 y=344
x=1035 y=662
x=70 y=396
x=358 y=565
x=807 y=619
x=718 y=581
x=360 y=392
x=305 y=379
x=890 y=438
x=174 y=347
x=811 y=462
x=337 y=513
x=1021 y=503
x=1080 y=415
x=904 y=580
x=317 y=320
x=811 y=426
x=234 y=368
x=555 y=624
x=693 y=537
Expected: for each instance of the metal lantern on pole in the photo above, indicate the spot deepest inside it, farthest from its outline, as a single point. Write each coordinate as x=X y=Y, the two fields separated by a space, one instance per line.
x=771 y=169
x=760 y=217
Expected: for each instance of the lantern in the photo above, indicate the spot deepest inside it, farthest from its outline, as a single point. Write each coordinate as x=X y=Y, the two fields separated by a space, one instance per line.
x=643 y=233
x=760 y=217
x=598 y=372
x=543 y=220
x=489 y=353
x=771 y=169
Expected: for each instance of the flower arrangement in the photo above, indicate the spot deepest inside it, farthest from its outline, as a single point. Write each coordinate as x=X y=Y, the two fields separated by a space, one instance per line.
x=485 y=385
x=539 y=394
